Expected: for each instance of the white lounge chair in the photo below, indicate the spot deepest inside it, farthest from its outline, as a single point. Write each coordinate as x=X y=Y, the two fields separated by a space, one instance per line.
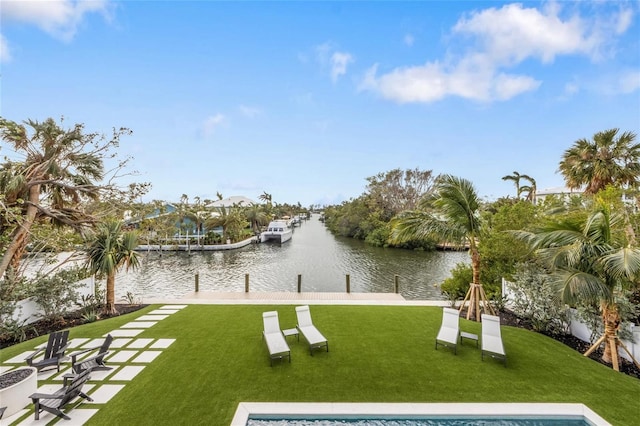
x=492 y=338
x=276 y=343
x=309 y=331
x=449 y=330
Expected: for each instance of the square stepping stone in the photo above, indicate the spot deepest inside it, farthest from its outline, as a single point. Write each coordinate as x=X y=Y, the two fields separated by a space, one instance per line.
x=147 y=356
x=163 y=311
x=18 y=359
x=139 y=324
x=151 y=317
x=95 y=343
x=47 y=374
x=119 y=343
x=5 y=368
x=162 y=343
x=59 y=376
x=128 y=372
x=77 y=342
x=78 y=415
x=13 y=418
x=101 y=375
x=173 y=307
x=125 y=333
x=104 y=393
x=121 y=356
x=140 y=343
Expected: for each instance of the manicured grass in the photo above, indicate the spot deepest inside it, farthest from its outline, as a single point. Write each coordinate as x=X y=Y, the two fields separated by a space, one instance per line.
x=377 y=354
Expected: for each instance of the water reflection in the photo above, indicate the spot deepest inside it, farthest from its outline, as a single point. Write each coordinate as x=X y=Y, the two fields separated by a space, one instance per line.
x=322 y=259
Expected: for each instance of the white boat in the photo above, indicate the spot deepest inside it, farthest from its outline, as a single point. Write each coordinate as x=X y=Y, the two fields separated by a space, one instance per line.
x=278 y=230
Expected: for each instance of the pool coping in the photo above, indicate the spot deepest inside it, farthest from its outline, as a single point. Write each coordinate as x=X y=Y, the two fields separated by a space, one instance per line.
x=247 y=409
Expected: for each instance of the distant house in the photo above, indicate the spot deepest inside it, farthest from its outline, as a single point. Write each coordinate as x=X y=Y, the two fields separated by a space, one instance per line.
x=561 y=193
x=236 y=200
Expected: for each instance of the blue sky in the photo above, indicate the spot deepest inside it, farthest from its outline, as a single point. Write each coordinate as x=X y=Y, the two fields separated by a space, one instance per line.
x=305 y=100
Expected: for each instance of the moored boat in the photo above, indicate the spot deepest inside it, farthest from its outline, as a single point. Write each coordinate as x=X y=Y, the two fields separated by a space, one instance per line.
x=278 y=230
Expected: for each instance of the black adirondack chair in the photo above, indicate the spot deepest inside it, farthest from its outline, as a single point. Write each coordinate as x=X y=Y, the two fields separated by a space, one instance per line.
x=55 y=402
x=53 y=353
x=93 y=362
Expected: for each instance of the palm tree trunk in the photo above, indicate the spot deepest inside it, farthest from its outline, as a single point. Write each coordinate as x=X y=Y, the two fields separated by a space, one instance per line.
x=20 y=236
x=110 y=308
x=611 y=320
x=475 y=264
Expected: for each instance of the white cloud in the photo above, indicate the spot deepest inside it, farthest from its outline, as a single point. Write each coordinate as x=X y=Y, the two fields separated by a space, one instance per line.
x=339 y=63
x=629 y=82
x=409 y=40
x=59 y=18
x=250 y=112
x=212 y=123
x=327 y=55
x=500 y=39
x=5 y=54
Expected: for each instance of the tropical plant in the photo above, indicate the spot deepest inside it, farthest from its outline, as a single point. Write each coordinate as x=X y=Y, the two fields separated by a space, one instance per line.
x=108 y=249
x=57 y=174
x=605 y=160
x=256 y=217
x=452 y=214
x=590 y=259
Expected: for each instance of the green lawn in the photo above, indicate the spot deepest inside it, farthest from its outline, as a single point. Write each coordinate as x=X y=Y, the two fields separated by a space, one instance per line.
x=377 y=354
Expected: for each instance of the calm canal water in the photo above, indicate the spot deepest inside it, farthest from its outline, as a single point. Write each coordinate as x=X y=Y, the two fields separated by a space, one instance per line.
x=322 y=259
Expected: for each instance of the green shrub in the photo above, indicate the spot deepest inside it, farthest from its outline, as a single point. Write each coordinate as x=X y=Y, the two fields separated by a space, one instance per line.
x=457 y=285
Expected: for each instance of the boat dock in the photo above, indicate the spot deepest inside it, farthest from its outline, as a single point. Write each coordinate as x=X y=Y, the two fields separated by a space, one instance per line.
x=294 y=298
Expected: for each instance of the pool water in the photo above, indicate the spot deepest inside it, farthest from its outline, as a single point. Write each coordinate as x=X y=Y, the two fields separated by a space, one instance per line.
x=460 y=421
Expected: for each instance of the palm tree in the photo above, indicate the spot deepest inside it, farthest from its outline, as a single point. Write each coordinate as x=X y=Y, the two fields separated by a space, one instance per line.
x=57 y=175
x=606 y=160
x=450 y=214
x=515 y=177
x=590 y=259
x=256 y=217
x=529 y=189
x=108 y=249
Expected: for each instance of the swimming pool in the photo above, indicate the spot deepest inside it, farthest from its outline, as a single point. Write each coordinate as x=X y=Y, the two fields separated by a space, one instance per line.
x=440 y=414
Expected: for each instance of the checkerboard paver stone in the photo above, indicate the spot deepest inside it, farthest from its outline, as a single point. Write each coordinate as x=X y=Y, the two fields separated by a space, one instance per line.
x=125 y=333
x=162 y=343
x=121 y=356
x=119 y=343
x=152 y=317
x=140 y=343
x=128 y=372
x=139 y=324
x=104 y=393
x=147 y=356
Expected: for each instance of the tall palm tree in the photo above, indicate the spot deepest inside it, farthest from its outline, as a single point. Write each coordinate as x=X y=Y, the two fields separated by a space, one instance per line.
x=529 y=189
x=256 y=217
x=515 y=177
x=451 y=214
x=592 y=260
x=109 y=249
x=605 y=160
x=59 y=172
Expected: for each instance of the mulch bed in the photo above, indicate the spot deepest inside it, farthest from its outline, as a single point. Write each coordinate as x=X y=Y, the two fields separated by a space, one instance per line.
x=44 y=327
x=506 y=318
x=626 y=367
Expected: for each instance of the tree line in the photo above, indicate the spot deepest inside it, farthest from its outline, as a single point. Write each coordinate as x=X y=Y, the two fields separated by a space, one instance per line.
x=61 y=186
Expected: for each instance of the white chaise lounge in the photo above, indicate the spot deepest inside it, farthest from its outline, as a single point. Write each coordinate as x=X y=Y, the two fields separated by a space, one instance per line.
x=276 y=342
x=309 y=331
x=449 y=330
x=492 y=338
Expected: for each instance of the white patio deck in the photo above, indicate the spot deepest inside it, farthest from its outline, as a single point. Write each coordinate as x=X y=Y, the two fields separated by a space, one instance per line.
x=291 y=298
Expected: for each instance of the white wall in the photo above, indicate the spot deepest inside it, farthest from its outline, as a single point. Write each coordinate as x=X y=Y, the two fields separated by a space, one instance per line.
x=583 y=332
x=32 y=312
